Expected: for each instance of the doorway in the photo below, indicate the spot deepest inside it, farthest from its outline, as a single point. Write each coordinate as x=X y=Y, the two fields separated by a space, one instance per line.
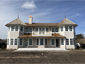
x=57 y=43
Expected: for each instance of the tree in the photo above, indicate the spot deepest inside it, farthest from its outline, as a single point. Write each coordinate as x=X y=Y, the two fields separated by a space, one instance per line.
x=79 y=36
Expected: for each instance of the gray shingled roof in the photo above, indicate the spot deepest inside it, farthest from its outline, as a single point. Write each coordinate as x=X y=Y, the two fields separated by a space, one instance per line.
x=66 y=22
x=17 y=21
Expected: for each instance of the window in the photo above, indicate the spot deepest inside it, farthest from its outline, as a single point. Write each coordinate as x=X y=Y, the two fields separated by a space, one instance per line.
x=30 y=41
x=53 y=29
x=16 y=28
x=21 y=28
x=71 y=42
x=15 y=41
x=36 y=29
x=11 y=42
x=67 y=41
x=56 y=29
x=29 y=29
x=66 y=28
x=12 y=28
x=70 y=28
x=46 y=29
x=62 y=41
x=41 y=31
x=52 y=42
x=41 y=41
x=37 y=42
x=20 y=41
x=62 y=28
x=45 y=41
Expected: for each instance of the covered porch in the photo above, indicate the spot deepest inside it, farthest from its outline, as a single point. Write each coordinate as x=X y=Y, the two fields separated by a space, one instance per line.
x=42 y=41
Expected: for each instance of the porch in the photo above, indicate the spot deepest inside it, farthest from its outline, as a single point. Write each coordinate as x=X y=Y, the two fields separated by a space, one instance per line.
x=54 y=41
x=42 y=43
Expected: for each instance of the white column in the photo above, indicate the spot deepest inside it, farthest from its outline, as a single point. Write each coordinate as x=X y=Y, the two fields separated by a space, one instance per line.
x=10 y=28
x=69 y=41
x=18 y=28
x=65 y=43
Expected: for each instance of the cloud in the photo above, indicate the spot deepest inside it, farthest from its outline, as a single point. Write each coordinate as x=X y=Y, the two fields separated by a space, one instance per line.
x=29 y=5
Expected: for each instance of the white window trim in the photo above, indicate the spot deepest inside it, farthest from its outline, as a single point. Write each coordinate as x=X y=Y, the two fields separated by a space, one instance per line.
x=39 y=42
x=28 y=42
x=54 y=42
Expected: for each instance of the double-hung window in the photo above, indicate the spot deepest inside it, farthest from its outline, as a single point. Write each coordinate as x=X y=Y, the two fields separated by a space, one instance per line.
x=67 y=41
x=11 y=43
x=71 y=42
x=30 y=41
x=41 y=41
x=56 y=29
x=53 y=29
x=21 y=40
x=52 y=42
x=15 y=41
x=21 y=28
x=62 y=41
x=12 y=28
x=62 y=28
x=66 y=28
x=47 y=30
x=70 y=28
x=16 y=28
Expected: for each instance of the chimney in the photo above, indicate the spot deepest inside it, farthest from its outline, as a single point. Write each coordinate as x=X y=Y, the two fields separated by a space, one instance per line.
x=30 y=19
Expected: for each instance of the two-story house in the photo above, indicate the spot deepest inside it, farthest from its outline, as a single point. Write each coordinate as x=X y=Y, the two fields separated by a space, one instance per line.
x=41 y=35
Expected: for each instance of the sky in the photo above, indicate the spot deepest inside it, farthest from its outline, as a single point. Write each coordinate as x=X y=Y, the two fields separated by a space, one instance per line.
x=43 y=11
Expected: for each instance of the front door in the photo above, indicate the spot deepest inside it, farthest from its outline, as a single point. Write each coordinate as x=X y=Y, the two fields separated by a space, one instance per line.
x=57 y=42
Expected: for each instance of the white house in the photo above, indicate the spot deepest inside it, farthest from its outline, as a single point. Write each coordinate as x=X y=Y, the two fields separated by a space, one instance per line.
x=41 y=35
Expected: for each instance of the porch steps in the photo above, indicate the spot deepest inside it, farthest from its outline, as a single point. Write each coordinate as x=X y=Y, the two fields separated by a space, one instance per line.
x=40 y=49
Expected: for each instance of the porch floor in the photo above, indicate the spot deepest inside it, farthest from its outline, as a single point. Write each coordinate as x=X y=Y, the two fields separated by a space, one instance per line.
x=40 y=49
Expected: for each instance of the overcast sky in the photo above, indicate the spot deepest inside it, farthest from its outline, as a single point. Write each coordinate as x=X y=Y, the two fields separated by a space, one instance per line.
x=42 y=11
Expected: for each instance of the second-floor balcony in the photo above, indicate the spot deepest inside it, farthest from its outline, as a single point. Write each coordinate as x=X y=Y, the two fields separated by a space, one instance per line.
x=41 y=31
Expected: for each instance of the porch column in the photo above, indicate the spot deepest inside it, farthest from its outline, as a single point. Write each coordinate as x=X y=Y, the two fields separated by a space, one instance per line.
x=65 y=43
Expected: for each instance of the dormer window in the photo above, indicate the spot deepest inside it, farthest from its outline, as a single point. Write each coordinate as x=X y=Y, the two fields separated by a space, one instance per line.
x=21 y=29
x=66 y=28
x=36 y=29
x=16 y=28
x=70 y=28
x=54 y=29
x=12 y=28
x=46 y=29
x=62 y=28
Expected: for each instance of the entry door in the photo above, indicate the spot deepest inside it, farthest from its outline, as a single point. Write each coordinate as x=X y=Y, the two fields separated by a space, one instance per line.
x=57 y=42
